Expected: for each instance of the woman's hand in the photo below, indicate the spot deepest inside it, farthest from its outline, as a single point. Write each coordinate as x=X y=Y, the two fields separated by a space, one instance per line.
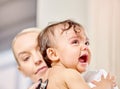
x=39 y=85
x=35 y=85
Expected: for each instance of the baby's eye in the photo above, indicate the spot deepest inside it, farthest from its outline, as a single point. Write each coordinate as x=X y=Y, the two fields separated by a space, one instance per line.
x=87 y=43
x=75 y=42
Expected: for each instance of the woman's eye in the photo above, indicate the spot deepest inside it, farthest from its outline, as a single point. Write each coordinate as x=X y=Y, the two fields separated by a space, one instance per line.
x=26 y=58
x=87 y=43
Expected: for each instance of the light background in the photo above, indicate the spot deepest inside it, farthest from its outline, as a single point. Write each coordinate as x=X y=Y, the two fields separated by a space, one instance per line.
x=101 y=19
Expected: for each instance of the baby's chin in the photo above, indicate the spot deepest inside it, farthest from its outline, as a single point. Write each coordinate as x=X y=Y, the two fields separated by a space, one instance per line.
x=82 y=70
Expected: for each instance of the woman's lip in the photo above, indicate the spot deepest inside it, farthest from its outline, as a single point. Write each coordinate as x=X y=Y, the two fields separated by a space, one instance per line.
x=40 y=69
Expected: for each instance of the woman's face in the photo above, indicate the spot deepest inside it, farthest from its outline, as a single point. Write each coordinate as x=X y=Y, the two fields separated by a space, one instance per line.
x=29 y=57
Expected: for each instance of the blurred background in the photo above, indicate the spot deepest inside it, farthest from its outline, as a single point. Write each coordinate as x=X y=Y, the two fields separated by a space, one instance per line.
x=101 y=19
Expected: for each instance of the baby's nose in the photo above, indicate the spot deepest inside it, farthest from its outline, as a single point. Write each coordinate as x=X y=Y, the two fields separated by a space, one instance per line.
x=84 y=47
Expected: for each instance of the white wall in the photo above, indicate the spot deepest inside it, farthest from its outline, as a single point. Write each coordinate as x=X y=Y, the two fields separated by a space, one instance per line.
x=10 y=77
x=105 y=32
x=15 y=15
x=55 y=10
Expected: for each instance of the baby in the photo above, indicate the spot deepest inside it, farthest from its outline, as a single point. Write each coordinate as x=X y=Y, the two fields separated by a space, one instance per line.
x=65 y=48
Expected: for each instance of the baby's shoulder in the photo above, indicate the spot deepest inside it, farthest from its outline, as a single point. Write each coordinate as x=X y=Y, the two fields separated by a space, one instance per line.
x=70 y=73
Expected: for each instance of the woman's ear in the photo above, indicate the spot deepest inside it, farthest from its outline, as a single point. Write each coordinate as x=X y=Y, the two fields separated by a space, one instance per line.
x=52 y=55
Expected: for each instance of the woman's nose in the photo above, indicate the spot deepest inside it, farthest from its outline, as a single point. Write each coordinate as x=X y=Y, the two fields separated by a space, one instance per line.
x=37 y=59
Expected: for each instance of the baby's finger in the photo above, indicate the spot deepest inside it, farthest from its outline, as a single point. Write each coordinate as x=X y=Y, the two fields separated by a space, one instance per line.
x=113 y=78
x=114 y=81
x=94 y=82
x=114 y=84
x=102 y=77
x=108 y=76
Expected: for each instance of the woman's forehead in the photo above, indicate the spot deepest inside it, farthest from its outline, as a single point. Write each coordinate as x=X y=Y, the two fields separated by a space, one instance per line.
x=25 y=41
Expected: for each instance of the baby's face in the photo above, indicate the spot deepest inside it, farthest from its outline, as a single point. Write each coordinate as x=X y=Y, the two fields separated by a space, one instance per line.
x=29 y=57
x=73 y=48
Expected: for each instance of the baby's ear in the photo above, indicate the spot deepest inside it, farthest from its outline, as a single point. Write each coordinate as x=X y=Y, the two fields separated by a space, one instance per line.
x=52 y=55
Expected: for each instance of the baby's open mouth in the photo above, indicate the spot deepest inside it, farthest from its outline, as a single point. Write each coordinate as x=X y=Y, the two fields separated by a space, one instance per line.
x=83 y=59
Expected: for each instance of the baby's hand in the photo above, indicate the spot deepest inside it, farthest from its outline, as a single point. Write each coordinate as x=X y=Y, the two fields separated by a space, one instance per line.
x=96 y=76
x=106 y=83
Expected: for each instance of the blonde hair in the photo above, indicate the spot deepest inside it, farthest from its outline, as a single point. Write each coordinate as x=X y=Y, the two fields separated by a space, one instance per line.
x=24 y=31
